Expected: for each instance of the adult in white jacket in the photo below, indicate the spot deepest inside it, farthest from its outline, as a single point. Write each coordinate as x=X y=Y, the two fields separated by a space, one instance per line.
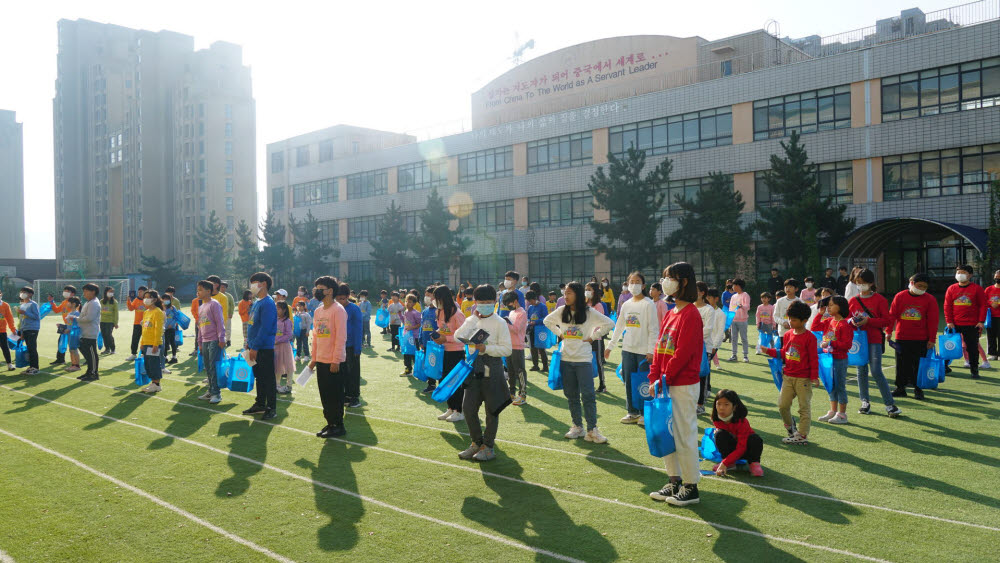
x=578 y=325
x=638 y=327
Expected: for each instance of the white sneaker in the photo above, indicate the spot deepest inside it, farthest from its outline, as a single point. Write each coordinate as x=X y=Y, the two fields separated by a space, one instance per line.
x=455 y=417
x=216 y=399
x=166 y=370
x=641 y=421
x=152 y=388
x=10 y=367
x=629 y=419
x=966 y=365
x=575 y=432
x=994 y=358
x=826 y=417
x=700 y=410
x=206 y=396
x=130 y=358
x=595 y=436
x=445 y=414
x=204 y=380
x=840 y=418
x=985 y=365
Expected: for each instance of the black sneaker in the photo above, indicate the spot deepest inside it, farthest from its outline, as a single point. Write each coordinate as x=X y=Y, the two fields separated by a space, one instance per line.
x=354 y=404
x=256 y=409
x=918 y=394
x=865 y=407
x=668 y=490
x=336 y=431
x=271 y=413
x=976 y=376
x=899 y=392
x=947 y=369
x=602 y=389
x=322 y=433
x=88 y=378
x=893 y=411
x=533 y=368
x=57 y=362
x=81 y=376
x=428 y=389
x=172 y=361
x=688 y=494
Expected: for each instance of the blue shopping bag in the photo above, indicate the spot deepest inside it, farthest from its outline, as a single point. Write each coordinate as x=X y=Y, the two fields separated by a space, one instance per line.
x=776 y=371
x=418 y=365
x=765 y=339
x=930 y=371
x=382 y=318
x=618 y=372
x=640 y=385
x=43 y=310
x=201 y=362
x=454 y=380
x=595 y=365
x=140 y=371
x=21 y=354
x=709 y=451
x=730 y=315
x=100 y=340
x=240 y=376
x=659 y=417
x=826 y=371
x=545 y=338
x=407 y=345
x=950 y=345
x=183 y=320
x=555 y=370
x=858 y=354
x=819 y=340
x=74 y=337
x=706 y=366
x=614 y=317
x=223 y=370
x=296 y=326
x=434 y=360
x=63 y=343
x=179 y=337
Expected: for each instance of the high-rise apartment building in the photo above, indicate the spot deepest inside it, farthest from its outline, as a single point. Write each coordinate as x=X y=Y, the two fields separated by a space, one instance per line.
x=151 y=136
x=11 y=186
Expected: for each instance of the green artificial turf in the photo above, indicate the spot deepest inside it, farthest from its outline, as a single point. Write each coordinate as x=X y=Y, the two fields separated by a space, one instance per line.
x=918 y=488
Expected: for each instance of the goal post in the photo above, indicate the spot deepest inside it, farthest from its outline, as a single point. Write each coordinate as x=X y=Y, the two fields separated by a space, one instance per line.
x=54 y=287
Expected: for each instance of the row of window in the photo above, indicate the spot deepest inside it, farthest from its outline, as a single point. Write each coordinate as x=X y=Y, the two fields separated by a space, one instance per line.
x=489 y=215
x=968 y=170
x=486 y=164
x=313 y=193
x=552 y=268
x=560 y=209
x=561 y=152
x=422 y=175
x=368 y=184
x=971 y=85
x=806 y=112
x=836 y=181
x=695 y=130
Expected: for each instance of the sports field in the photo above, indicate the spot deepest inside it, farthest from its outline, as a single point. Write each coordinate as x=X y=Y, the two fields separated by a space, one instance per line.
x=102 y=472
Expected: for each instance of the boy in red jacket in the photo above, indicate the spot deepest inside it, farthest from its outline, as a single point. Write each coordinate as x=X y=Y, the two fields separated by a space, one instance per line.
x=870 y=314
x=734 y=438
x=914 y=316
x=965 y=312
x=993 y=331
x=800 y=372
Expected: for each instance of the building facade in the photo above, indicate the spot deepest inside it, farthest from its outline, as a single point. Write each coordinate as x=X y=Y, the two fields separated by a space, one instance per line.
x=150 y=138
x=12 y=186
x=902 y=120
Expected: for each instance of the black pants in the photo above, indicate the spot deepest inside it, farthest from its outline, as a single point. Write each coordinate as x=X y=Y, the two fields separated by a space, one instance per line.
x=536 y=352
x=60 y=356
x=352 y=375
x=136 y=335
x=4 y=347
x=451 y=360
x=394 y=330
x=726 y=443
x=598 y=347
x=970 y=334
x=30 y=338
x=993 y=338
x=263 y=374
x=331 y=393
x=169 y=342
x=88 y=349
x=908 y=360
x=408 y=361
x=108 y=332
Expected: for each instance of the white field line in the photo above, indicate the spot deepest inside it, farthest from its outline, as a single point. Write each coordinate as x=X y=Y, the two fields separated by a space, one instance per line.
x=5 y=557
x=147 y=496
x=471 y=469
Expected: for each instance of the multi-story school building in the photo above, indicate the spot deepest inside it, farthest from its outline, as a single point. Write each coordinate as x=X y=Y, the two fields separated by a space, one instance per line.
x=903 y=119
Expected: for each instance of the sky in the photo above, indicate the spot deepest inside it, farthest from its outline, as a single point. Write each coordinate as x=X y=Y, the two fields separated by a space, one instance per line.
x=398 y=66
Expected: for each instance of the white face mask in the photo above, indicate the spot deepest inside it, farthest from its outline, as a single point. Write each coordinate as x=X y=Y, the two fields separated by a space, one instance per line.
x=864 y=287
x=363 y=299
x=147 y=301
x=962 y=278
x=166 y=303
x=22 y=295
x=255 y=288
x=809 y=285
x=588 y=294
x=670 y=286
x=624 y=287
x=427 y=300
x=916 y=291
x=508 y=283
x=302 y=294
x=111 y=294
x=605 y=284
x=635 y=288
x=67 y=295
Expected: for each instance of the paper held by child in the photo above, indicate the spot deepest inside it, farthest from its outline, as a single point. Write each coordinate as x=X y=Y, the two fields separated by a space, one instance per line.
x=304 y=376
x=246 y=356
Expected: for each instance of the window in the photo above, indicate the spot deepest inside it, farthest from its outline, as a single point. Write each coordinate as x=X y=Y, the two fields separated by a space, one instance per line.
x=229 y=204
x=355 y=147
x=277 y=162
x=762 y=194
x=201 y=207
x=278 y=199
x=329 y=233
x=229 y=130
x=560 y=152
x=302 y=156
x=366 y=270
x=201 y=185
x=229 y=167
x=201 y=110
x=560 y=209
x=553 y=268
x=367 y=184
x=363 y=229
x=411 y=221
x=230 y=222
x=836 y=180
x=485 y=165
x=686 y=189
x=807 y=112
x=229 y=148
x=229 y=111
x=971 y=85
x=969 y=170
x=326 y=150
x=229 y=185
x=702 y=129
x=314 y=193
x=485 y=268
x=726 y=68
x=201 y=128
x=422 y=175
x=490 y=215
x=201 y=166
x=201 y=147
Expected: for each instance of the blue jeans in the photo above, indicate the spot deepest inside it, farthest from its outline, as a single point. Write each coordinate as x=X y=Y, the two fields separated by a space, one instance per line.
x=210 y=352
x=630 y=364
x=366 y=332
x=875 y=363
x=578 y=380
x=153 y=366
x=839 y=393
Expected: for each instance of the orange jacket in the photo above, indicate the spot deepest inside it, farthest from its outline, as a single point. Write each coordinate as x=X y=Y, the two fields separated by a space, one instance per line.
x=6 y=318
x=195 y=305
x=140 y=309
x=295 y=302
x=245 y=310
x=60 y=308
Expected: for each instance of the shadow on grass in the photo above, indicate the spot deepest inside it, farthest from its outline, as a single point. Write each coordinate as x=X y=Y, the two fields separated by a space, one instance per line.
x=127 y=404
x=51 y=394
x=249 y=439
x=185 y=420
x=723 y=511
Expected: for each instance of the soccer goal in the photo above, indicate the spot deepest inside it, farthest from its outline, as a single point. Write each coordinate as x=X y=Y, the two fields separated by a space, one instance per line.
x=54 y=288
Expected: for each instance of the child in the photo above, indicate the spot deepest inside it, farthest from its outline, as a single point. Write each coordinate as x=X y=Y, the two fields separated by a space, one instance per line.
x=914 y=314
x=64 y=308
x=824 y=293
x=808 y=295
x=6 y=323
x=734 y=438
x=551 y=303
x=656 y=294
x=783 y=302
x=366 y=319
x=72 y=308
x=411 y=327
x=993 y=331
x=870 y=314
x=284 y=361
x=137 y=305
x=486 y=384
x=838 y=336
x=109 y=320
x=637 y=327
x=561 y=302
x=169 y=329
x=468 y=304
x=30 y=324
x=428 y=325
x=714 y=299
x=302 y=338
x=965 y=309
x=396 y=310
x=329 y=348
x=727 y=295
x=739 y=303
x=536 y=312
x=592 y=293
x=244 y=311
x=607 y=296
x=151 y=338
x=517 y=322
x=449 y=320
x=713 y=322
x=765 y=318
x=383 y=303
x=579 y=324
x=351 y=368
x=800 y=372
x=301 y=296
x=624 y=296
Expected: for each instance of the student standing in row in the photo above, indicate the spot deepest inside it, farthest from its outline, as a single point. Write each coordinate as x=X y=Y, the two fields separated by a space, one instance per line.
x=210 y=339
x=137 y=305
x=260 y=346
x=800 y=371
x=366 y=319
x=637 y=327
x=782 y=303
x=228 y=309
x=713 y=323
x=109 y=320
x=89 y=322
x=536 y=312
x=6 y=324
x=517 y=322
x=244 y=309
x=607 y=296
x=765 y=318
x=329 y=347
x=739 y=302
x=592 y=292
x=396 y=310
x=449 y=320
x=914 y=314
x=965 y=312
x=993 y=331
x=428 y=325
x=31 y=322
x=284 y=359
x=838 y=337
x=411 y=330
x=151 y=339
x=63 y=307
x=302 y=338
x=352 y=354
x=870 y=313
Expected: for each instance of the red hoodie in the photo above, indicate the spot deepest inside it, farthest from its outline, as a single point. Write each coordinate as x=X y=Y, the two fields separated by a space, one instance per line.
x=799 y=354
x=742 y=431
x=678 y=351
x=915 y=317
x=964 y=306
x=993 y=300
x=838 y=335
x=877 y=320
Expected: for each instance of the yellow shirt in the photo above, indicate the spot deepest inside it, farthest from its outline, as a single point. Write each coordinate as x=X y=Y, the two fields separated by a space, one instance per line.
x=467 y=307
x=223 y=300
x=152 y=327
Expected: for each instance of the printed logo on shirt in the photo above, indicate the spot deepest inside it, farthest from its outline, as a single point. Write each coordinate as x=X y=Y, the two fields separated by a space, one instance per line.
x=147 y=324
x=632 y=320
x=573 y=333
x=911 y=314
x=828 y=337
x=205 y=321
x=793 y=354
x=321 y=328
x=995 y=301
x=667 y=346
x=534 y=317
x=963 y=301
x=809 y=300
x=428 y=326
x=444 y=329
x=765 y=315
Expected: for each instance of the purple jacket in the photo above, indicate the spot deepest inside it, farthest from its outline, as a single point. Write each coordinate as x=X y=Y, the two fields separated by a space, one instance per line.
x=285 y=331
x=211 y=326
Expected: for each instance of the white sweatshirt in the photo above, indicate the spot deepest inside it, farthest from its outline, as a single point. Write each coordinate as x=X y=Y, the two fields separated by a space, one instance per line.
x=640 y=323
x=497 y=343
x=713 y=322
x=781 y=311
x=574 y=349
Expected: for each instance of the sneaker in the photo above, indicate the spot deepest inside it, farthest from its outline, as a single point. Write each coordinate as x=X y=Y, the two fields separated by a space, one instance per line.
x=484 y=454
x=152 y=388
x=602 y=389
x=918 y=394
x=756 y=470
x=354 y=404
x=204 y=380
x=994 y=358
x=641 y=421
x=629 y=419
x=10 y=367
x=687 y=494
x=255 y=409
x=81 y=376
x=194 y=353
x=455 y=417
x=746 y=360
x=795 y=439
x=533 y=368
x=428 y=389
x=323 y=433
x=470 y=452
x=271 y=413
x=166 y=370
x=893 y=411
x=130 y=358
x=791 y=429
x=206 y=396
x=31 y=371
x=594 y=435
x=668 y=490
x=215 y=399
x=57 y=362
x=518 y=401
x=829 y=415
x=172 y=361
x=87 y=378
x=445 y=414
x=73 y=368
x=700 y=410
x=575 y=432
x=865 y=407
x=335 y=431
x=899 y=392
x=406 y=373
x=985 y=365
x=839 y=418
x=966 y=365
x=285 y=389
x=732 y=358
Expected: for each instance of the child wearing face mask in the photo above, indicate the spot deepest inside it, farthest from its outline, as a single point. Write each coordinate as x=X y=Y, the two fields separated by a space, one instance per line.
x=623 y=297
x=838 y=336
x=993 y=331
x=870 y=313
x=914 y=316
x=411 y=326
x=428 y=325
x=637 y=327
x=302 y=338
x=517 y=322
x=739 y=303
x=6 y=324
x=509 y=282
x=765 y=318
x=808 y=295
x=592 y=293
x=30 y=324
x=734 y=438
x=965 y=312
x=607 y=296
x=72 y=308
x=366 y=318
x=151 y=339
x=109 y=320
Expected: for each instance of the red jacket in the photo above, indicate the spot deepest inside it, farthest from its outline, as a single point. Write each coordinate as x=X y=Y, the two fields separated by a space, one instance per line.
x=915 y=317
x=879 y=318
x=993 y=300
x=799 y=354
x=965 y=306
x=838 y=335
x=678 y=351
x=741 y=430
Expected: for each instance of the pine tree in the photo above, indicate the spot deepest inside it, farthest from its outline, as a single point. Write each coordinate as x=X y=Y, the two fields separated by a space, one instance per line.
x=276 y=258
x=247 y=259
x=314 y=255
x=632 y=201
x=390 y=249
x=212 y=249
x=803 y=225
x=991 y=261
x=437 y=247
x=160 y=273
x=711 y=221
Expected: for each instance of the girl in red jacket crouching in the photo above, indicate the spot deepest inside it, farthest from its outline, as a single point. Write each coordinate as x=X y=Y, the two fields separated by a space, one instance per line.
x=734 y=438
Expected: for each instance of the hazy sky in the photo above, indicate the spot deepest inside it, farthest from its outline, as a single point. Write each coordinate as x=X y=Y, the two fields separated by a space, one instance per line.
x=404 y=66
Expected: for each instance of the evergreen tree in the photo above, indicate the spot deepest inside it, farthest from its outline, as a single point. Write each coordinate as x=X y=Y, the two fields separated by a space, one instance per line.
x=314 y=255
x=437 y=247
x=803 y=225
x=711 y=221
x=390 y=249
x=247 y=259
x=990 y=262
x=212 y=249
x=632 y=200
x=160 y=273
x=276 y=258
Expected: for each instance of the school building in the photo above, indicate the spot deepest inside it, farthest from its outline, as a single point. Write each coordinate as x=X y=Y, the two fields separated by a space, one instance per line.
x=902 y=117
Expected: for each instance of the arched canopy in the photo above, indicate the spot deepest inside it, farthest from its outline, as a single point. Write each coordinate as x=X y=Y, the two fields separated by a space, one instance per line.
x=870 y=240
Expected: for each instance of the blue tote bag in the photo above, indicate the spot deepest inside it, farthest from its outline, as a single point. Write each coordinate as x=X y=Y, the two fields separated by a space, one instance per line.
x=826 y=371
x=183 y=320
x=858 y=354
x=930 y=371
x=659 y=416
x=707 y=449
x=223 y=370
x=418 y=365
x=21 y=355
x=555 y=370
x=730 y=315
x=434 y=360
x=950 y=345
x=706 y=366
x=640 y=385
x=407 y=345
x=545 y=338
x=765 y=339
x=595 y=365
x=240 y=376
x=454 y=380
x=382 y=318
x=63 y=343
x=140 y=371
x=776 y=371
x=179 y=337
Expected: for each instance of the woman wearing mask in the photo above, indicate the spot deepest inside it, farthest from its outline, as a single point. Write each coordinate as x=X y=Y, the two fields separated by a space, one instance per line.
x=637 y=327
x=109 y=320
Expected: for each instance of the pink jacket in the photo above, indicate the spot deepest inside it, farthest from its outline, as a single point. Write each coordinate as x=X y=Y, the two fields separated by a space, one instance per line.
x=447 y=330
x=518 y=325
x=742 y=301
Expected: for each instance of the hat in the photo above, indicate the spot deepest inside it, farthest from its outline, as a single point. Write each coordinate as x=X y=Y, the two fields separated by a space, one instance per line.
x=282 y=293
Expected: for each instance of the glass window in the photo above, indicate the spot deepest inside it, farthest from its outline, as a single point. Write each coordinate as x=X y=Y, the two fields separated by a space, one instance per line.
x=302 y=156
x=687 y=189
x=422 y=175
x=365 y=270
x=229 y=130
x=836 y=180
x=563 y=152
x=326 y=150
x=708 y=128
x=363 y=229
x=229 y=167
x=277 y=162
x=368 y=184
x=278 y=199
x=560 y=209
x=942 y=90
x=486 y=164
x=552 y=268
x=314 y=193
x=490 y=215
x=229 y=185
x=805 y=112
x=485 y=268
x=229 y=204
x=411 y=221
x=329 y=232
x=968 y=170
x=229 y=148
